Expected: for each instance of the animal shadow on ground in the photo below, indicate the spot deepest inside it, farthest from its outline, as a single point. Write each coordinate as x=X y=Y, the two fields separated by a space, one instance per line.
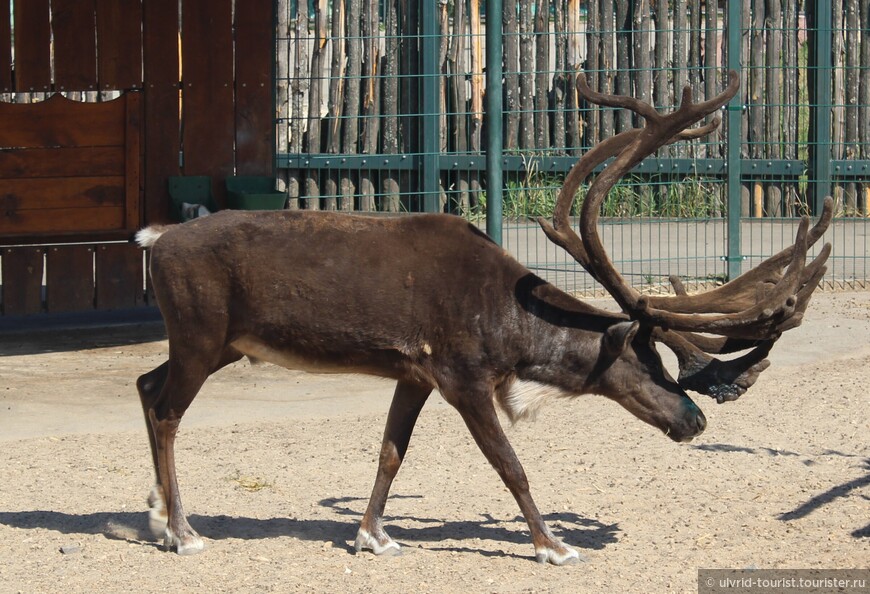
x=817 y=501
x=831 y=495
x=129 y=526
x=61 y=340
x=132 y=527
x=573 y=529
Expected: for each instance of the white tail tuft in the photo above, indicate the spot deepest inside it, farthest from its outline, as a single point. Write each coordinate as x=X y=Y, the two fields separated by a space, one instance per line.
x=148 y=236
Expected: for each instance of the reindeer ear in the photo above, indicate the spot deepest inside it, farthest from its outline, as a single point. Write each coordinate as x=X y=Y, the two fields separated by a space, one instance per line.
x=618 y=336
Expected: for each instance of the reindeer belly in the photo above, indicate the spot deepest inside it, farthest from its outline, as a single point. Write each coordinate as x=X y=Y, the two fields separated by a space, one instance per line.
x=388 y=363
x=256 y=349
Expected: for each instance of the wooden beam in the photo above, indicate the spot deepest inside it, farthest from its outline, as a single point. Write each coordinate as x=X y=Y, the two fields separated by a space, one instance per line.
x=254 y=117
x=69 y=272
x=161 y=130
x=5 y=49
x=32 y=46
x=119 y=35
x=75 y=45
x=207 y=99
x=119 y=276
x=22 y=280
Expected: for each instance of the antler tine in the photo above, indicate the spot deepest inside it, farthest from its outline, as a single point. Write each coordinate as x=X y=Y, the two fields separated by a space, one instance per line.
x=711 y=105
x=623 y=101
x=700 y=132
x=815 y=233
x=717 y=345
x=560 y=231
x=739 y=293
x=658 y=131
x=816 y=271
x=755 y=320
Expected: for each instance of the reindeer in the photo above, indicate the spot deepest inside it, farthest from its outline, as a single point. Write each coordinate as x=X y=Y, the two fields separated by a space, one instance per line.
x=449 y=310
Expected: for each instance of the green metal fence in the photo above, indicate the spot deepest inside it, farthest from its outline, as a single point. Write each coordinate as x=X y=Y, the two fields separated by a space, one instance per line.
x=393 y=106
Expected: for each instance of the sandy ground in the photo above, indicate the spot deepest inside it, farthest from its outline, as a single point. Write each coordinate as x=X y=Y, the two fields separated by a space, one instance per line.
x=276 y=468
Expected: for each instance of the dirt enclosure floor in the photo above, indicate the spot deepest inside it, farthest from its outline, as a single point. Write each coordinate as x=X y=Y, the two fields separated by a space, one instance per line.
x=276 y=467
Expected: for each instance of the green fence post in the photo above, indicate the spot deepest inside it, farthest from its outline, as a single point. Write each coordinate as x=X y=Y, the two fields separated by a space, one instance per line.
x=734 y=115
x=430 y=127
x=494 y=121
x=273 y=81
x=821 y=100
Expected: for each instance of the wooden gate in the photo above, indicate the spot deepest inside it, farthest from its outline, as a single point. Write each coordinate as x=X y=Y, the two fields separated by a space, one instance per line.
x=69 y=169
x=70 y=172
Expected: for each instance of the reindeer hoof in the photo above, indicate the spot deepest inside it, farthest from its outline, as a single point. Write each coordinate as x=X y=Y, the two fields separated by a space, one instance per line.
x=189 y=545
x=383 y=546
x=564 y=556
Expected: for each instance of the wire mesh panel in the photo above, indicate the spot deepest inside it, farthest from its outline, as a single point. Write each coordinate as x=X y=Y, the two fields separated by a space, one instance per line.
x=382 y=109
x=803 y=137
x=850 y=138
x=349 y=84
x=666 y=218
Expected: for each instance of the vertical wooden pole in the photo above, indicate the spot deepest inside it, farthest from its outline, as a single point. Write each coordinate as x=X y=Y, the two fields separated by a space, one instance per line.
x=162 y=141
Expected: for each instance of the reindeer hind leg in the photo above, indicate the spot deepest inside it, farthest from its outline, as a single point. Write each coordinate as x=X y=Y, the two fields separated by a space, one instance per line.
x=149 y=386
x=166 y=393
x=179 y=390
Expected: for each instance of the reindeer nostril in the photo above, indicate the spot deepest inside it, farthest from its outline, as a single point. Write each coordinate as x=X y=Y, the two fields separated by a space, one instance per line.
x=701 y=421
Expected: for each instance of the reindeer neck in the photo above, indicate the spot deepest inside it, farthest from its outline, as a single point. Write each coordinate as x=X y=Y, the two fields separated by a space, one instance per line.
x=563 y=335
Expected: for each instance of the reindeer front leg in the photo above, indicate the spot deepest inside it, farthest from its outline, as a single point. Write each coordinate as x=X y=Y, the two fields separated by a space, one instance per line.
x=408 y=400
x=478 y=412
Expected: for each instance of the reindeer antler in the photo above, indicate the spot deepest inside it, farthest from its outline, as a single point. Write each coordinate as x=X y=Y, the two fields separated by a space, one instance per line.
x=560 y=232
x=750 y=311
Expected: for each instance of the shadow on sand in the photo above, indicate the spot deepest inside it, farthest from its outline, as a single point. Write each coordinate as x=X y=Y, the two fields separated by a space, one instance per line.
x=132 y=527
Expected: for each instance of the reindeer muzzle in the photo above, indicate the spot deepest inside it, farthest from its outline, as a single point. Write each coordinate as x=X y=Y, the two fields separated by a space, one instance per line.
x=692 y=424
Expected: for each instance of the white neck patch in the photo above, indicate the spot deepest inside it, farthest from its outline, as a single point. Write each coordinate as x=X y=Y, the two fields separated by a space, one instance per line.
x=525 y=398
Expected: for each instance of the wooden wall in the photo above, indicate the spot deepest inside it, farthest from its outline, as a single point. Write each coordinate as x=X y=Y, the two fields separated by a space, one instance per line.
x=202 y=70
x=219 y=111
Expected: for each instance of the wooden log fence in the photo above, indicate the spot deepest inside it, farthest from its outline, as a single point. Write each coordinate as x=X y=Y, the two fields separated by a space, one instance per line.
x=368 y=101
